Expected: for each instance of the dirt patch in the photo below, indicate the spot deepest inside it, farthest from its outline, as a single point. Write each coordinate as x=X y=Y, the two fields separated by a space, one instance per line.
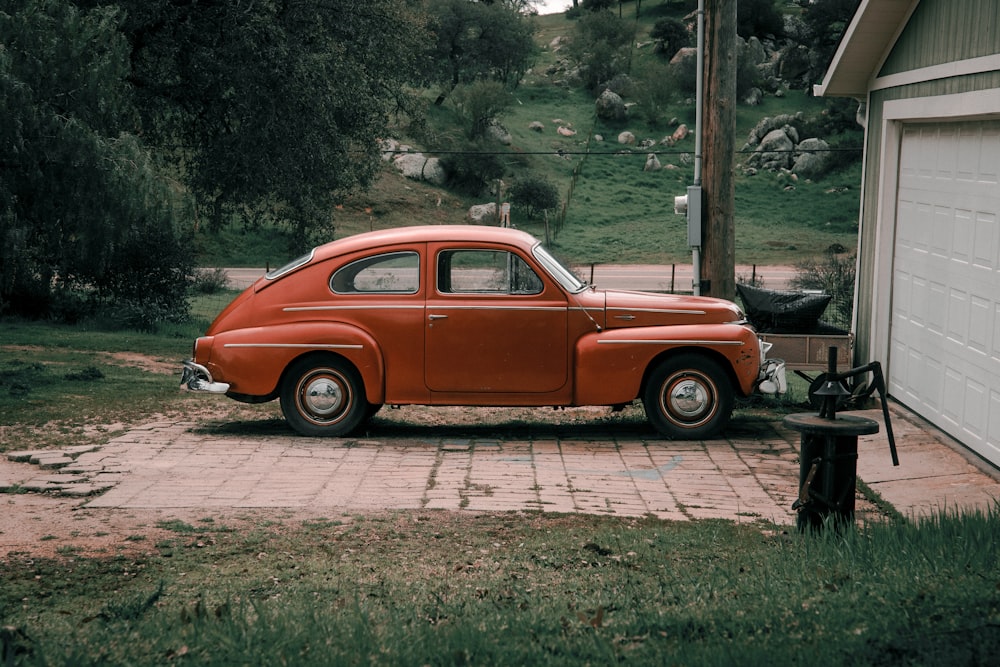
x=142 y=362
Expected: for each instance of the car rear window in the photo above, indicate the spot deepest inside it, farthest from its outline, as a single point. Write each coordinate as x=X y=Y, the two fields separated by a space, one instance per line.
x=387 y=273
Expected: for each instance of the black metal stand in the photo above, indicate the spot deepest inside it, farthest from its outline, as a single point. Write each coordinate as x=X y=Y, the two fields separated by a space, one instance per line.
x=828 y=460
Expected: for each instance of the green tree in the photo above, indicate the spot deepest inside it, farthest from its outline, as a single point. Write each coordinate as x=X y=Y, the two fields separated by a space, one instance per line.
x=273 y=106
x=671 y=35
x=473 y=40
x=601 y=47
x=78 y=191
x=825 y=22
x=482 y=103
x=758 y=18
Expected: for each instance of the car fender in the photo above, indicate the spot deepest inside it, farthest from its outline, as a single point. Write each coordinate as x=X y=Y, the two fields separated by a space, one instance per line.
x=612 y=364
x=253 y=360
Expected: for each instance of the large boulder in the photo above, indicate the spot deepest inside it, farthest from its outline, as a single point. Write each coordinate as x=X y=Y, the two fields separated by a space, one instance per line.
x=610 y=106
x=774 y=152
x=483 y=214
x=419 y=167
x=812 y=158
x=498 y=133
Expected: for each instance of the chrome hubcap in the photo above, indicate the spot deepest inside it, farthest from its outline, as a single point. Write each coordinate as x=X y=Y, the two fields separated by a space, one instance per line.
x=323 y=397
x=688 y=399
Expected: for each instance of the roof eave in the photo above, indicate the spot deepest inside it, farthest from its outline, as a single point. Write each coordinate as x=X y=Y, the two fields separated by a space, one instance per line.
x=864 y=47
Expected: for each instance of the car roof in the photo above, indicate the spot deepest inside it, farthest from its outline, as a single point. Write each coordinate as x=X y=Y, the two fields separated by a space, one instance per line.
x=424 y=233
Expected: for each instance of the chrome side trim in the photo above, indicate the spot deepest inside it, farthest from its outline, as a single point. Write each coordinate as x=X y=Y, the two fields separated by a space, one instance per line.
x=679 y=341
x=299 y=346
x=666 y=311
x=300 y=309
x=556 y=309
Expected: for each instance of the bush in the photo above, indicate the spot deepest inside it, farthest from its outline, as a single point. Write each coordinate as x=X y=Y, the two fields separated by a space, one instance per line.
x=473 y=169
x=758 y=18
x=671 y=36
x=209 y=281
x=833 y=274
x=534 y=195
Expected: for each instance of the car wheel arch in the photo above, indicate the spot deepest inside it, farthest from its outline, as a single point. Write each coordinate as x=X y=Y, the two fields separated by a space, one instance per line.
x=687 y=351
x=372 y=376
x=689 y=394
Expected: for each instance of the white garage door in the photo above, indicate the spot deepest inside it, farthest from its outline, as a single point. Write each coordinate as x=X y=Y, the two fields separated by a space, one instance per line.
x=944 y=359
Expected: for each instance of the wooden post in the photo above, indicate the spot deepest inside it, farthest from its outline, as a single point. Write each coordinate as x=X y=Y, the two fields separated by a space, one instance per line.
x=718 y=269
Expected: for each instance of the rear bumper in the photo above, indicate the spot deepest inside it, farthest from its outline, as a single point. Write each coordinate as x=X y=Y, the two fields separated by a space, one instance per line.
x=196 y=377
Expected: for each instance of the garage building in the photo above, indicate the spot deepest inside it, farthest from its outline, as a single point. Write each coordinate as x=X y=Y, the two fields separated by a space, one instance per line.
x=926 y=74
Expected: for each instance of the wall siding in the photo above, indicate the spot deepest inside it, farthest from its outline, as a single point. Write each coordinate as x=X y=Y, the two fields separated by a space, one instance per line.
x=943 y=31
x=938 y=32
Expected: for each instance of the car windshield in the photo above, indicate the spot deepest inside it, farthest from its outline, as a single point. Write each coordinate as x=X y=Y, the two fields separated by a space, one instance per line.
x=558 y=271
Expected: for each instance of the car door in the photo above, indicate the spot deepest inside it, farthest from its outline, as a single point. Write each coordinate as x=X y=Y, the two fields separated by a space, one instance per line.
x=495 y=325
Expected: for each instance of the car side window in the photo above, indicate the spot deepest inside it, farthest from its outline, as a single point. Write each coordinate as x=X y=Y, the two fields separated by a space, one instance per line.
x=388 y=273
x=485 y=272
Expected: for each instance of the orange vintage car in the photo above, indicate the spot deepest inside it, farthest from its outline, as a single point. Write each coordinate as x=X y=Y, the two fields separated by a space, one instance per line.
x=471 y=315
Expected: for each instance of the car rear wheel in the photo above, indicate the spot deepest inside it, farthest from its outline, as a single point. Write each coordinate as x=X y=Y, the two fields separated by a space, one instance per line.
x=688 y=398
x=323 y=397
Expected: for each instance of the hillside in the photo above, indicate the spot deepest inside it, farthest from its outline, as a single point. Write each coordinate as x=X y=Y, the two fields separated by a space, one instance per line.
x=616 y=212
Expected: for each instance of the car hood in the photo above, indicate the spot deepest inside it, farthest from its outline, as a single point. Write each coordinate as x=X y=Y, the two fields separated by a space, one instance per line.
x=645 y=309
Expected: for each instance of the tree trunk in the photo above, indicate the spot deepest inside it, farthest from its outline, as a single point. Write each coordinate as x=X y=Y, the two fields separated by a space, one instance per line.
x=718 y=227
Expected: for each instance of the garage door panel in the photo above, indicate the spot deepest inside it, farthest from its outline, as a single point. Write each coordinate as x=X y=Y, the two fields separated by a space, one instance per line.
x=944 y=352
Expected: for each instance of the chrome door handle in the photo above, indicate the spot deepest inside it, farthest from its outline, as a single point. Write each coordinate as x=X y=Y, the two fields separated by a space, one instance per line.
x=437 y=317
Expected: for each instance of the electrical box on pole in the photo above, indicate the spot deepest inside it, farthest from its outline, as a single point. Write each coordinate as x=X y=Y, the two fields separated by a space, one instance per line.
x=694 y=215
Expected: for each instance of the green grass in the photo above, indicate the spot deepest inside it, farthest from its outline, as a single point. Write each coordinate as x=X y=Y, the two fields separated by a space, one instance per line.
x=515 y=589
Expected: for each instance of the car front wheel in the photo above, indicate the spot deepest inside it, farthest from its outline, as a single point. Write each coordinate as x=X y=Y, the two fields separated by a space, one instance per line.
x=323 y=397
x=688 y=398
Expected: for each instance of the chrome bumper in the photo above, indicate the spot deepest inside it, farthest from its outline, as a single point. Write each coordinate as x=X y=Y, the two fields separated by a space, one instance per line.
x=196 y=377
x=771 y=379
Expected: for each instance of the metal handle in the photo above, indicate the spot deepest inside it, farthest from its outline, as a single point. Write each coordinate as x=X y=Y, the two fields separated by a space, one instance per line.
x=437 y=317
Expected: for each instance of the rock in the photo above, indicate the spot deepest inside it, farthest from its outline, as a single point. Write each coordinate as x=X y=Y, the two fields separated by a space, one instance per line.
x=419 y=167
x=626 y=138
x=811 y=158
x=610 y=106
x=498 y=133
x=680 y=133
x=754 y=97
x=769 y=123
x=688 y=52
x=565 y=131
x=434 y=172
x=536 y=126
x=774 y=152
x=652 y=163
x=483 y=214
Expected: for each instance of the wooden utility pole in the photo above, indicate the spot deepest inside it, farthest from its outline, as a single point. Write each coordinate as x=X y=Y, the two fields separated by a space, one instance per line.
x=718 y=268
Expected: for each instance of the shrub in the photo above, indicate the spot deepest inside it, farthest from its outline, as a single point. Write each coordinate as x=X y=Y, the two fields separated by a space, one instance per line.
x=534 y=195
x=671 y=35
x=473 y=169
x=832 y=274
x=209 y=281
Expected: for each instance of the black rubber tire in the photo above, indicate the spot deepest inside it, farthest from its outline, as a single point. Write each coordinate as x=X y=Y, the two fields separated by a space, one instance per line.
x=689 y=397
x=323 y=396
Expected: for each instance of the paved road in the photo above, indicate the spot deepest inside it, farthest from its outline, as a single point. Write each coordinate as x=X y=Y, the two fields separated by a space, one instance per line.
x=645 y=277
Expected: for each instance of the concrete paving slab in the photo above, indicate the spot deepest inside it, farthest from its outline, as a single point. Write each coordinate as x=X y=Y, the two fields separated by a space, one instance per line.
x=751 y=475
